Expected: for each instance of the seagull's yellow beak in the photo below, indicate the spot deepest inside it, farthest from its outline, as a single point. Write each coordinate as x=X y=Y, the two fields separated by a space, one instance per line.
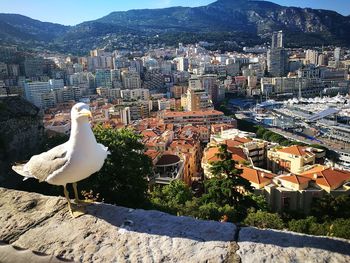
x=85 y=112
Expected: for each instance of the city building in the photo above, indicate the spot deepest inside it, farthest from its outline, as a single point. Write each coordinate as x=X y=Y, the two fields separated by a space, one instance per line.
x=34 y=92
x=135 y=94
x=290 y=159
x=194 y=117
x=103 y=78
x=198 y=99
x=277 y=56
x=131 y=80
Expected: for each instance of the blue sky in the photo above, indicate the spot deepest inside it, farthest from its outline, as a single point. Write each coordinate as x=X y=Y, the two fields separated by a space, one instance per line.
x=71 y=12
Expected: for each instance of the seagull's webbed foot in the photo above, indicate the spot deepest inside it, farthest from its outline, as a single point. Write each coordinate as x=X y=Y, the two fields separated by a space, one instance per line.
x=76 y=196
x=75 y=210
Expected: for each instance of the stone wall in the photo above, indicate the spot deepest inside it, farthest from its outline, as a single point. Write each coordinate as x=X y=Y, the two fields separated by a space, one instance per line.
x=116 y=234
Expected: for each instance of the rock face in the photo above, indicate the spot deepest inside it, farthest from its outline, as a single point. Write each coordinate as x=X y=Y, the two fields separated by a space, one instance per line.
x=111 y=234
x=115 y=234
x=21 y=131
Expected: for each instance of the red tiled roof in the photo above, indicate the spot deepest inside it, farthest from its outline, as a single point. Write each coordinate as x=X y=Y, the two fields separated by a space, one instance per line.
x=237 y=154
x=153 y=154
x=187 y=143
x=295 y=179
x=256 y=176
x=148 y=133
x=295 y=150
x=211 y=155
x=328 y=177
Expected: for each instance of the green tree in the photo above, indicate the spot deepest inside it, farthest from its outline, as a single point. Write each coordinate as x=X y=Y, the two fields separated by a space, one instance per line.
x=331 y=207
x=122 y=179
x=171 y=198
x=258 y=202
x=50 y=142
x=177 y=192
x=267 y=135
x=263 y=219
x=260 y=132
x=302 y=225
x=340 y=228
x=227 y=186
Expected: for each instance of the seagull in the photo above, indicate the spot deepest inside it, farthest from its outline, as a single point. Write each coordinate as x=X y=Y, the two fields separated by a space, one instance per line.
x=70 y=162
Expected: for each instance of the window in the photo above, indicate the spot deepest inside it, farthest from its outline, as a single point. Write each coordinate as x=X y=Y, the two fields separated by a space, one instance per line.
x=286 y=203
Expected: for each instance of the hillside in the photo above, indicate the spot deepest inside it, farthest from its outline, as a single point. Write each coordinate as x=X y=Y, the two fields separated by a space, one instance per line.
x=241 y=22
x=18 y=28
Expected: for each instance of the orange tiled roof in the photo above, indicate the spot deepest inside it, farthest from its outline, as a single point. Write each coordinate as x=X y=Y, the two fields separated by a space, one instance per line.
x=183 y=143
x=210 y=155
x=295 y=179
x=295 y=150
x=237 y=154
x=328 y=177
x=232 y=143
x=313 y=170
x=153 y=154
x=256 y=176
x=148 y=133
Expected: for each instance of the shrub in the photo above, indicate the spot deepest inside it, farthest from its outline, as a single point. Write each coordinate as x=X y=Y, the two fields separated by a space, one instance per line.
x=340 y=228
x=263 y=219
x=308 y=226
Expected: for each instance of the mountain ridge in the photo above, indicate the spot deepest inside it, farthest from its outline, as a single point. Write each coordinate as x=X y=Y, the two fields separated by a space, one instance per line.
x=242 y=21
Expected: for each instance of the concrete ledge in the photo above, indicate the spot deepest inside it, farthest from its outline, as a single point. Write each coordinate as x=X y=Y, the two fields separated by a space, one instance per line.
x=110 y=233
x=257 y=245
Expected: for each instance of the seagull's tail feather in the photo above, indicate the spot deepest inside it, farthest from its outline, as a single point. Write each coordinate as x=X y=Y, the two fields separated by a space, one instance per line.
x=18 y=168
x=105 y=149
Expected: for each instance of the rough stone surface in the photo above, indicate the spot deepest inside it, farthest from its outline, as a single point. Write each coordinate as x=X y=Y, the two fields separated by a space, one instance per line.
x=107 y=233
x=258 y=245
x=111 y=234
x=21 y=131
x=8 y=252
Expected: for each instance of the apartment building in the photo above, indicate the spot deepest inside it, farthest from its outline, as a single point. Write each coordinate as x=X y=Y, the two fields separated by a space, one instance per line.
x=290 y=159
x=206 y=118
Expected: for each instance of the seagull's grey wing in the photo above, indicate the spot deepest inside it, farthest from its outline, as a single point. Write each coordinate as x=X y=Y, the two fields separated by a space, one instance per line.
x=42 y=165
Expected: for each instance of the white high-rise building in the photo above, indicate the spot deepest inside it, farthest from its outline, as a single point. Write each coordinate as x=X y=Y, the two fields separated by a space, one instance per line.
x=277 y=56
x=35 y=92
x=135 y=94
x=131 y=80
x=182 y=64
x=311 y=57
x=337 y=53
x=277 y=40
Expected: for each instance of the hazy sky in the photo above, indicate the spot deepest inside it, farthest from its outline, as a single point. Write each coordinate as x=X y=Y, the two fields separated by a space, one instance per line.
x=71 y=12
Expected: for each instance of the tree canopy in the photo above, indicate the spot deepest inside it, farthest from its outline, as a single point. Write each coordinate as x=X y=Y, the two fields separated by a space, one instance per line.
x=227 y=186
x=123 y=178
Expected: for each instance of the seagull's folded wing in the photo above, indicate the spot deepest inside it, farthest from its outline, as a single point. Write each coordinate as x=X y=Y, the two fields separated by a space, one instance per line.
x=42 y=165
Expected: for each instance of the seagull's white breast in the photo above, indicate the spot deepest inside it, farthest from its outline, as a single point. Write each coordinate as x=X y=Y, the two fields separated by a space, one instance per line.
x=86 y=157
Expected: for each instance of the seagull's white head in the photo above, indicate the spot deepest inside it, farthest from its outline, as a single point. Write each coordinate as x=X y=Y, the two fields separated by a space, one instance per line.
x=81 y=112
